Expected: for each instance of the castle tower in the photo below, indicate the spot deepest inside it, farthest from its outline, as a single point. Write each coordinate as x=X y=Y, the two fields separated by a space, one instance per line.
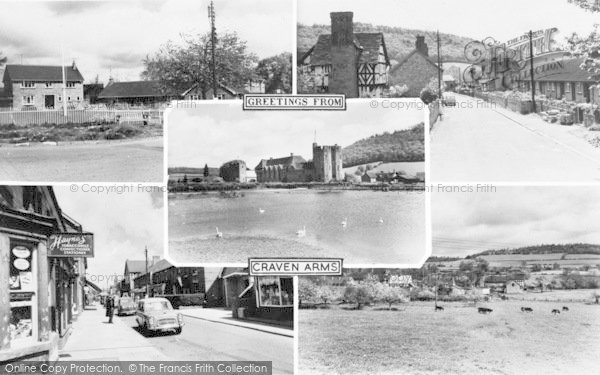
x=337 y=163
x=318 y=162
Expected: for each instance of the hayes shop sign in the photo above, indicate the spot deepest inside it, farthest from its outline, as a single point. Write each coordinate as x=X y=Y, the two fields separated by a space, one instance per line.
x=71 y=245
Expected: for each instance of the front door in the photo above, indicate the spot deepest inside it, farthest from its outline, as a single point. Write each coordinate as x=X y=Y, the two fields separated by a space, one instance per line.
x=49 y=101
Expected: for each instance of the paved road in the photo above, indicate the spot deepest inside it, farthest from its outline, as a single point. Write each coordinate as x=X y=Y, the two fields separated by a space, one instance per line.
x=138 y=160
x=202 y=340
x=477 y=143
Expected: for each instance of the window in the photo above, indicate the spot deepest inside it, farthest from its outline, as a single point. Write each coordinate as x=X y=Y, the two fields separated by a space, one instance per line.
x=71 y=84
x=78 y=98
x=28 y=99
x=27 y=84
x=22 y=287
x=48 y=85
x=60 y=98
x=68 y=98
x=275 y=291
x=220 y=96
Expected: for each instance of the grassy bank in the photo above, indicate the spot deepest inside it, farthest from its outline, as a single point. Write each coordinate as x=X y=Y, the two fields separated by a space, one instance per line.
x=76 y=132
x=416 y=339
x=176 y=187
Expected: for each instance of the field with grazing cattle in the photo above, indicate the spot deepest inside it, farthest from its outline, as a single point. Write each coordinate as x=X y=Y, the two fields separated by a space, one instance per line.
x=417 y=339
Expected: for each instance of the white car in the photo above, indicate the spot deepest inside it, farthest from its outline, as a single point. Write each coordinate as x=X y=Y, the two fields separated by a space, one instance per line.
x=157 y=315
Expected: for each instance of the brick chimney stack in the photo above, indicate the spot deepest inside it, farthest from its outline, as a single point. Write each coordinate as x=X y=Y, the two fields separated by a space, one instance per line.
x=342 y=28
x=421 y=46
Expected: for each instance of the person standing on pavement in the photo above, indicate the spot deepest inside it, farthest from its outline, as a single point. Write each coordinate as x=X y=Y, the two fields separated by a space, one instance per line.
x=110 y=304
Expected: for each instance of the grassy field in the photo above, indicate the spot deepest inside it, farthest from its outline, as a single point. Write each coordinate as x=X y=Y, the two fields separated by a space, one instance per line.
x=417 y=340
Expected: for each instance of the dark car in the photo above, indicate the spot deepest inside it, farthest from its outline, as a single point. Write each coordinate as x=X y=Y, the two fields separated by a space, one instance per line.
x=126 y=306
x=448 y=100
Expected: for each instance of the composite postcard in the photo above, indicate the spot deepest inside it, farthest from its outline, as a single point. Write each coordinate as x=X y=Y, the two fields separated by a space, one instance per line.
x=299 y=187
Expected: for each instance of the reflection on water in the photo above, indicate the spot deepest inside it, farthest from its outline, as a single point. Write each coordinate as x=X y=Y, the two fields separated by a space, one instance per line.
x=379 y=227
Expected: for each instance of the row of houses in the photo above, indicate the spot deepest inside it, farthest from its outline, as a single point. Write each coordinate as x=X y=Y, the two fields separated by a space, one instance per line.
x=268 y=299
x=39 y=87
x=46 y=287
x=358 y=65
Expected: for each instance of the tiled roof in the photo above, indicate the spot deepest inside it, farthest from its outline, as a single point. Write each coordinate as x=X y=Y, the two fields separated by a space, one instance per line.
x=134 y=89
x=42 y=73
x=293 y=160
x=135 y=266
x=410 y=55
x=368 y=43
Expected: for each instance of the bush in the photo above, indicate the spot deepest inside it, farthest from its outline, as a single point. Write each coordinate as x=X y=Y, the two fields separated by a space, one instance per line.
x=427 y=96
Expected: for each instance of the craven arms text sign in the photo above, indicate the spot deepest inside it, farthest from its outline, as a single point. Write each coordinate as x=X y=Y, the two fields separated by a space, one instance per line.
x=71 y=245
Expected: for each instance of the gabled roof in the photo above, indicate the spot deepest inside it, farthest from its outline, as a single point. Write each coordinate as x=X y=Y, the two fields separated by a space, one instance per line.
x=161 y=265
x=292 y=160
x=41 y=73
x=409 y=56
x=135 y=266
x=367 y=43
x=134 y=89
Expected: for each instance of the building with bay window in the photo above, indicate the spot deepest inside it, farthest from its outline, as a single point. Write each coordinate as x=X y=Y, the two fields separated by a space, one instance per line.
x=45 y=290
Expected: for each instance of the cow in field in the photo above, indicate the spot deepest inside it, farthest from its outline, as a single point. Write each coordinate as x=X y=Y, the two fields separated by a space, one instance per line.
x=484 y=310
x=565 y=308
x=526 y=309
x=439 y=308
x=556 y=311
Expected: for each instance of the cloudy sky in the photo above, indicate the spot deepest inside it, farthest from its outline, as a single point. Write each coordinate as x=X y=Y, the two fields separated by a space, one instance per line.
x=116 y=35
x=464 y=223
x=123 y=224
x=222 y=131
x=477 y=19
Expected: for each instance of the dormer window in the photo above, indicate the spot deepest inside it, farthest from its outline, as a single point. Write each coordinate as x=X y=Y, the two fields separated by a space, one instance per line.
x=27 y=84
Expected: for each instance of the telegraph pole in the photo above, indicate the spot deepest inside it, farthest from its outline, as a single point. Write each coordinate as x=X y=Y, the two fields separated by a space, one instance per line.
x=147 y=274
x=439 y=61
x=213 y=42
x=531 y=70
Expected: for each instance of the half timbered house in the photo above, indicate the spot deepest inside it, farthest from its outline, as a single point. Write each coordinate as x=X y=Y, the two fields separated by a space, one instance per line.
x=345 y=62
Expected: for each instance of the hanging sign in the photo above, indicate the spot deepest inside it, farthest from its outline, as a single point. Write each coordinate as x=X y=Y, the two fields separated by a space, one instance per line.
x=71 y=245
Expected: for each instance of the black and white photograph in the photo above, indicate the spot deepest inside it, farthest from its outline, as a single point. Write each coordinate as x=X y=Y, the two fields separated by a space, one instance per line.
x=520 y=96
x=512 y=287
x=83 y=97
x=81 y=265
x=345 y=184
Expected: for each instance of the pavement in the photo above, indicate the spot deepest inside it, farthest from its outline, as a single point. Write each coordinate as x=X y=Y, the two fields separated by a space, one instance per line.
x=94 y=339
x=223 y=316
x=132 y=160
x=477 y=141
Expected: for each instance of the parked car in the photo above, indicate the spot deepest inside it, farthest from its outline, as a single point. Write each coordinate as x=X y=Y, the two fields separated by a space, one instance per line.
x=126 y=306
x=448 y=100
x=158 y=315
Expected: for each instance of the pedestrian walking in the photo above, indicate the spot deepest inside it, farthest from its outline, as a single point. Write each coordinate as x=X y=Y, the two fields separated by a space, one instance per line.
x=110 y=304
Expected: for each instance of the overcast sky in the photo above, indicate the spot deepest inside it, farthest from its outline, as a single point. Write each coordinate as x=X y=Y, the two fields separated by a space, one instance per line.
x=123 y=224
x=117 y=35
x=217 y=133
x=477 y=19
x=465 y=223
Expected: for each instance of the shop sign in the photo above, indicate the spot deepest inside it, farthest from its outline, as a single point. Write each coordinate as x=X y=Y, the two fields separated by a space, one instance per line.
x=71 y=245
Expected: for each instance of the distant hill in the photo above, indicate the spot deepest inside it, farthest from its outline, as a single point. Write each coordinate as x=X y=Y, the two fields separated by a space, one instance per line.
x=399 y=146
x=398 y=40
x=578 y=248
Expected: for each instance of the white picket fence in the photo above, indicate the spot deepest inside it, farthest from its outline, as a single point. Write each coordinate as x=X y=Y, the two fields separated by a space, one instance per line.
x=80 y=116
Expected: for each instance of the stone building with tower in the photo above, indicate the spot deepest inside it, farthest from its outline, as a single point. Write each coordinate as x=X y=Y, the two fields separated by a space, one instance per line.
x=345 y=62
x=416 y=70
x=326 y=166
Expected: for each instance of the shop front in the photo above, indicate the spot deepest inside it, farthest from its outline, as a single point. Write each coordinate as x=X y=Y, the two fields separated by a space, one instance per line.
x=41 y=296
x=265 y=298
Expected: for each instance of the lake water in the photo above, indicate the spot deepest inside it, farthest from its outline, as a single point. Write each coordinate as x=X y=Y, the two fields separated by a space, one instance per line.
x=400 y=238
